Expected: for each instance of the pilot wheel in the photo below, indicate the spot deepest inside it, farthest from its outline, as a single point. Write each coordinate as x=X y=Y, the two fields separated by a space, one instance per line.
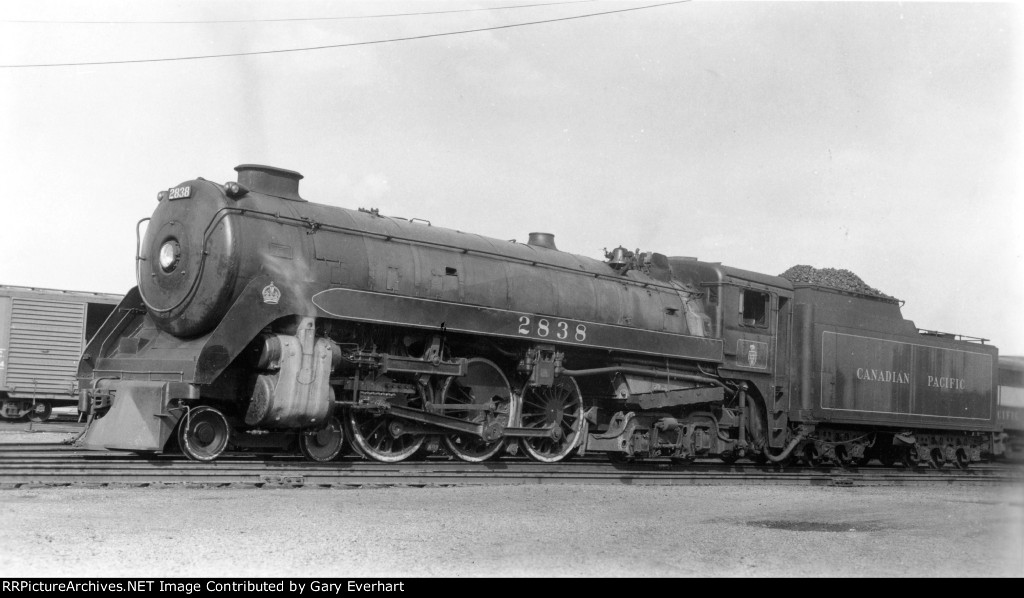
x=203 y=433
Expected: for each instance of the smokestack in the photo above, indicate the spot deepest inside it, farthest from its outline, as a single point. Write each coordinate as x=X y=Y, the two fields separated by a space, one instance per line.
x=545 y=240
x=268 y=180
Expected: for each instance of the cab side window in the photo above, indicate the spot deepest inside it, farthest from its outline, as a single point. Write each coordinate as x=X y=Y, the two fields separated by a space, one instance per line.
x=754 y=308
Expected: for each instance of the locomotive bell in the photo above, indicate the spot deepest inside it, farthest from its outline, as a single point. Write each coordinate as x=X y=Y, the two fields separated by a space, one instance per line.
x=545 y=240
x=617 y=257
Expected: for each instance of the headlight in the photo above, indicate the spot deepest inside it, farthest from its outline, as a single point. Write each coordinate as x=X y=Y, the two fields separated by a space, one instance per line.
x=169 y=253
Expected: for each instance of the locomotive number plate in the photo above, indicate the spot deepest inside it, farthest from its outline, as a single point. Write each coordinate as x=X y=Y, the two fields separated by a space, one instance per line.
x=183 y=192
x=552 y=328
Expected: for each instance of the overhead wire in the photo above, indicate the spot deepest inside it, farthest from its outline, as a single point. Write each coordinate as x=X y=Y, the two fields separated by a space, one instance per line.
x=290 y=19
x=346 y=45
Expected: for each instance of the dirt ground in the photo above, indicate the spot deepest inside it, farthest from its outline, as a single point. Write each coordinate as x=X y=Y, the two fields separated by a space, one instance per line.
x=526 y=530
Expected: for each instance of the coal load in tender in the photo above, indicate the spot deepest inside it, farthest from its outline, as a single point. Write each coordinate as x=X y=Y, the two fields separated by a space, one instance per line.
x=842 y=280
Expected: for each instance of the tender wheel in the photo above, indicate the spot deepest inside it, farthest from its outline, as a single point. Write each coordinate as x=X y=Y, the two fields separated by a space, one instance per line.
x=204 y=433
x=483 y=383
x=910 y=458
x=962 y=460
x=559 y=405
x=40 y=411
x=810 y=456
x=842 y=457
x=372 y=437
x=935 y=459
x=324 y=444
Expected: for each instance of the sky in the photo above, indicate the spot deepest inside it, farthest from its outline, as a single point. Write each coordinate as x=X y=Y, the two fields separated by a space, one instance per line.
x=882 y=138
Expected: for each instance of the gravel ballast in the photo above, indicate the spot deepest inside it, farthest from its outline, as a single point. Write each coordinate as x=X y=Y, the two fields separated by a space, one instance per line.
x=527 y=530
x=549 y=530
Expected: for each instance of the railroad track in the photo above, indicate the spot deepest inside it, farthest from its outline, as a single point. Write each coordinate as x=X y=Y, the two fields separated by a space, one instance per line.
x=29 y=465
x=58 y=423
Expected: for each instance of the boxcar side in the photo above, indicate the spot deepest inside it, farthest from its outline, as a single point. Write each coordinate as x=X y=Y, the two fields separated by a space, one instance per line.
x=1010 y=411
x=42 y=334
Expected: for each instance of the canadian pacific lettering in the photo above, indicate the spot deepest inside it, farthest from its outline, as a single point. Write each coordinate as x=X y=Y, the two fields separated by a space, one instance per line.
x=898 y=377
x=883 y=376
x=945 y=382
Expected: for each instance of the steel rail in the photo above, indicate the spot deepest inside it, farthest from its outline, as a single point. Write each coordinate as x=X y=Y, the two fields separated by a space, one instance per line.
x=72 y=467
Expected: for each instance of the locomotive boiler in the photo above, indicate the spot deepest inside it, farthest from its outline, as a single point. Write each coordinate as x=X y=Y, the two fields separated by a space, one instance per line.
x=261 y=317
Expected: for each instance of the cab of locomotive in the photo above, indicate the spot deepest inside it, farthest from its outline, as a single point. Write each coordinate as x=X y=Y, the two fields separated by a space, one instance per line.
x=740 y=304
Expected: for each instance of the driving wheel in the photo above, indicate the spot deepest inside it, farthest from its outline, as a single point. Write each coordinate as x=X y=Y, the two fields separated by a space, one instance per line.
x=484 y=396
x=558 y=407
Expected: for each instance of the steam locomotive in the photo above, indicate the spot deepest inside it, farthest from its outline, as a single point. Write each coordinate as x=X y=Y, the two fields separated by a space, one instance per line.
x=261 y=317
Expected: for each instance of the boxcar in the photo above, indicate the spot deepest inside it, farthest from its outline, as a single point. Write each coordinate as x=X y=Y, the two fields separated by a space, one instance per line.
x=42 y=333
x=1010 y=412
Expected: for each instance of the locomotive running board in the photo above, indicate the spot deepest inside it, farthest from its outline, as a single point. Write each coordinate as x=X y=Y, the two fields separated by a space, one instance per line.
x=435 y=314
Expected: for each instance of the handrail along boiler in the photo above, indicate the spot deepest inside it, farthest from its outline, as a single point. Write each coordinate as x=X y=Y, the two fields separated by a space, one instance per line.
x=260 y=316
